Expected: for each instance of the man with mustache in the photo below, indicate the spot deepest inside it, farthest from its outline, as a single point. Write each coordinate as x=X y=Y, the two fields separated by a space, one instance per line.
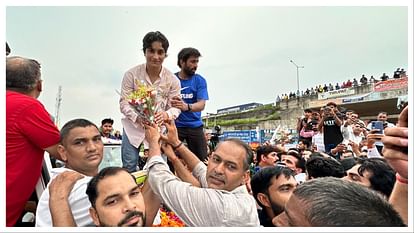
x=272 y=187
x=222 y=200
x=116 y=199
x=191 y=102
x=81 y=149
x=65 y=201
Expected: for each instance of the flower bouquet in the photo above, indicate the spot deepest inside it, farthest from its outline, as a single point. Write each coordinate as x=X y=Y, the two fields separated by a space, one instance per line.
x=169 y=219
x=144 y=102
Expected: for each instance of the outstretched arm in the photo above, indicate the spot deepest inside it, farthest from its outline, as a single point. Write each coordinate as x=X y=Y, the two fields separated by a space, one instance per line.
x=152 y=204
x=172 y=138
x=181 y=170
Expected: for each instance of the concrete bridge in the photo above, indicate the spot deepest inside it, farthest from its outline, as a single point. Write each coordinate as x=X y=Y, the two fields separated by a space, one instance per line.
x=367 y=100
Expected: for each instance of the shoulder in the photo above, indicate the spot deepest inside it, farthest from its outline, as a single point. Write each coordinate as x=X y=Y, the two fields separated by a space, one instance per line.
x=81 y=183
x=27 y=104
x=169 y=76
x=135 y=70
x=199 y=78
x=16 y=96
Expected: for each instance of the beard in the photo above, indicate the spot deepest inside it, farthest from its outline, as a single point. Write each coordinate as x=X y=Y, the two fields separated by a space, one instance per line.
x=277 y=209
x=188 y=71
x=131 y=214
x=127 y=217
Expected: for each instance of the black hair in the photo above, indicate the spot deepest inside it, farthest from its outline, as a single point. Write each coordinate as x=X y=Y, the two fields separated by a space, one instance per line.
x=300 y=160
x=307 y=143
x=263 y=150
x=332 y=103
x=348 y=163
x=151 y=37
x=107 y=120
x=322 y=167
x=186 y=53
x=8 y=50
x=382 y=177
x=262 y=180
x=92 y=190
x=64 y=132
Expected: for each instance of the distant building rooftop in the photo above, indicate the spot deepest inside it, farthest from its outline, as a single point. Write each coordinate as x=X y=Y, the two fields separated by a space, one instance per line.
x=238 y=108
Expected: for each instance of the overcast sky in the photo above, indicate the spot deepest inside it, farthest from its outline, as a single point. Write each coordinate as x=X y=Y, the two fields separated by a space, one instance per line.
x=245 y=50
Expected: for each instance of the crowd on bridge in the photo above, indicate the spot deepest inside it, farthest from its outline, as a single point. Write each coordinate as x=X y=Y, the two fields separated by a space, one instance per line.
x=398 y=73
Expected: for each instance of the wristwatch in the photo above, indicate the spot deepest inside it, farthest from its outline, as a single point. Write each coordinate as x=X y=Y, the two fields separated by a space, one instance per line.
x=189 y=107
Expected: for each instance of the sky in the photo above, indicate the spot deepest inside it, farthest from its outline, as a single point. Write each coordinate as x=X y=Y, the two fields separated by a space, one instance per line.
x=246 y=50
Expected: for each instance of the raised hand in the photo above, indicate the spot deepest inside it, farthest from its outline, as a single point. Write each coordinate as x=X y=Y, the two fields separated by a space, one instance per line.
x=160 y=117
x=395 y=141
x=152 y=134
x=172 y=135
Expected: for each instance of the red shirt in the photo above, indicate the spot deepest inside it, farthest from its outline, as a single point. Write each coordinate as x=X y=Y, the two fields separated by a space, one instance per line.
x=29 y=130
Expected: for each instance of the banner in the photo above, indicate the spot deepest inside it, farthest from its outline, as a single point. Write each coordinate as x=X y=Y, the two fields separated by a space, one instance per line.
x=244 y=135
x=321 y=103
x=353 y=99
x=391 y=84
x=336 y=93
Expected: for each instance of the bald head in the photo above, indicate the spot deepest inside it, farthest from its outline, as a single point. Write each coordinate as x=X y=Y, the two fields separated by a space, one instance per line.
x=22 y=74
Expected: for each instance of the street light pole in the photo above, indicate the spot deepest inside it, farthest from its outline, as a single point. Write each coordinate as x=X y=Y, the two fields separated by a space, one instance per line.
x=297 y=74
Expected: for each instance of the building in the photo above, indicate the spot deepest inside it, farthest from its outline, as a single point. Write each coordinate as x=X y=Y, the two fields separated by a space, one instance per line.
x=238 y=108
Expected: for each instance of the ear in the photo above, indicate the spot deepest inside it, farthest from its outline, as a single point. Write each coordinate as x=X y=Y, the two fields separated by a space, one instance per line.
x=62 y=152
x=298 y=170
x=264 y=199
x=246 y=178
x=39 y=86
x=182 y=62
x=94 y=216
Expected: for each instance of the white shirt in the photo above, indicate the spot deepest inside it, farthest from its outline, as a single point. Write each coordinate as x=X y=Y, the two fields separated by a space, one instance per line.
x=317 y=140
x=202 y=207
x=78 y=202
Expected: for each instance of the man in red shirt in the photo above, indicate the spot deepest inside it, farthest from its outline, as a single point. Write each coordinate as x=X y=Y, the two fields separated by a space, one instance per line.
x=29 y=133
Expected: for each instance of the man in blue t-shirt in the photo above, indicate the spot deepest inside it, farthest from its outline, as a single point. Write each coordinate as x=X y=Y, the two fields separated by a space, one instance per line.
x=191 y=102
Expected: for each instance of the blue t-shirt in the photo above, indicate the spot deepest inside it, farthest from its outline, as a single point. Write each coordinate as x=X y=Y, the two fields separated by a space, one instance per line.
x=192 y=89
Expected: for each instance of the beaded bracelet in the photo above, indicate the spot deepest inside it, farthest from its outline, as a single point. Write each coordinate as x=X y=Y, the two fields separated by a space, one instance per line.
x=400 y=179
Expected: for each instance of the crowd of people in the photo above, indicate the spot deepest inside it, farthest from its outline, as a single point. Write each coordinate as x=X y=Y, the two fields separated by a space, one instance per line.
x=343 y=172
x=398 y=73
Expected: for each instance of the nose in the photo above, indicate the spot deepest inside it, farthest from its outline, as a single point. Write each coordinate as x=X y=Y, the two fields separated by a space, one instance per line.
x=219 y=168
x=129 y=206
x=346 y=177
x=91 y=146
